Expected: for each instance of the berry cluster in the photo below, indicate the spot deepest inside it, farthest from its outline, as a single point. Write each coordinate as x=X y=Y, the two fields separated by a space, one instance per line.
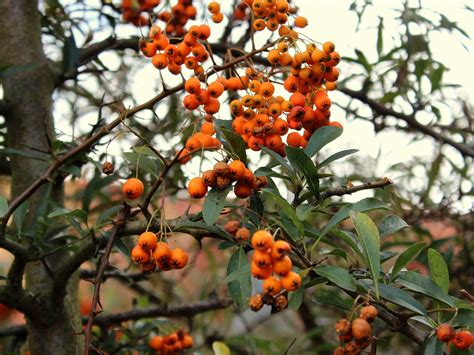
x=137 y=11
x=270 y=258
x=461 y=339
x=200 y=140
x=215 y=9
x=356 y=335
x=272 y=15
x=241 y=234
x=151 y=254
x=172 y=343
x=177 y=18
x=189 y=52
x=223 y=175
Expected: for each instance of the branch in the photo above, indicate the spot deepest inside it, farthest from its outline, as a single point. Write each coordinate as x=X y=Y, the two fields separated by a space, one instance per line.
x=347 y=190
x=465 y=150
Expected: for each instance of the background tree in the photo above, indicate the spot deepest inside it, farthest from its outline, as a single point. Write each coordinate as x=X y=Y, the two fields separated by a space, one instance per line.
x=68 y=72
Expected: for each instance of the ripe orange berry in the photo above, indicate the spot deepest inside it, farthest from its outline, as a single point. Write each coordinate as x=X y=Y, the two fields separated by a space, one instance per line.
x=369 y=313
x=262 y=259
x=232 y=227
x=237 y=169
x=197 y=188
x=301 y=22
x=361 y=330
x=221 y=168
x=463 y=339
x=291 y=282
x=217 y=18
x=282 y=266
x=343 y=327
x=193 y=144
x=187 y=341
x=339 y=351
x=271 y=286
x=192 y=85
x=260 y=273
x=215 y=89
x=184 y=156
x=256 y=302
x=209 y=178
x=259 y=24
x=242 y=189
x=279 y=249
x=147 y=241
x=139 y=255
x=293 y=139
x=328 y=47
x=156 y=343
x=214 y=7
x=178 y=258
x=262 y=241
x=133 y=188
x=162 y=252
x=444 y=332
x=148 y=267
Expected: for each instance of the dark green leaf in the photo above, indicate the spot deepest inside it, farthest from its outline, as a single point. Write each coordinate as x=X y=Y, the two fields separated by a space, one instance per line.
x=337 y=275
x=24 y=154
x=370 y=240
x=367 y=204
x=283 y=162
x=145 y=163
x=390 y=225
x=295 y=298
x=19 y=216
x=241 y=288
x=432 y=346
x=300 y=161
x=408 y=255
x=186 y=226
x=3 y=206
x=236 y=144
x=334 y=299
x=380 y=37
x=213 y=204
x=266 y=171
x=362 y=59
x=336 y=156
x=350 y=239
x=436 y=77
x=320 y=138
x=286 y=208
x=439 y=272
x=424 y=285
x=238 y=273
x=70 y=54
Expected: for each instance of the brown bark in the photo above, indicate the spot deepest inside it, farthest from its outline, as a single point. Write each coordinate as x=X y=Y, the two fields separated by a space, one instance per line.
x=28 y=97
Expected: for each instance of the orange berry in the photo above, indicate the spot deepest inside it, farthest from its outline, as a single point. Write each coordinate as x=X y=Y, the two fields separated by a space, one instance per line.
x=162 y=252
x=237 y=169
x=147 y=241
x=209 y=178
x=232 y=227
x=291 y=282
x=178 y=258
x=139 y=255
x=260 y=273
x=328 y=47
x=336 y=124
x=215 y=89
x=242 y=189
x=262 y=241
x=133 y=188
x=369 y=313
x=184 y=156
x=197 y=188
x=259 y=24
x=463 y=339
x=193 y=144
x=242 y=235
x=279 y=249
x=187 y=341
x=343 y=327
x=192 y=85
x=293 y=139
x=301 y=22
x=262 y=259
x=156 y=343
x=361 y=330
x=256 y=302
x=217 y=18
x=282 y=266
x=271 y=286
x=214 y=7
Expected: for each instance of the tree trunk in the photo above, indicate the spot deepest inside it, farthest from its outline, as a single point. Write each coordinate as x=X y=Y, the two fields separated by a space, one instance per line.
x=28 y=96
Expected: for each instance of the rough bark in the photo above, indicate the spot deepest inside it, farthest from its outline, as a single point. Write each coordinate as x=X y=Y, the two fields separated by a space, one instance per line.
x=28 y=97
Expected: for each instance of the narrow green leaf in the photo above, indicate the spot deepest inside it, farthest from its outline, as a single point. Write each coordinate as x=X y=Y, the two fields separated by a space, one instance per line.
x=362 y=59
x=367 y=204
x=390 y=225
x=432 y=346
x=300 y=161
x=236 y=143
x=295 y=298
x=145 y=163
x=436 y=77
x=424 y=285
x=380 y=37
x=282 y=161
x=408 y=255
x=3 y=206
x=241 y=288
x=286 y=208
x=350 y=239
x=336 y=156
x=186 y=226
x=370 y=240
x=213 y=204
x=337 y=275
x=320 y=138
x=439 y=272
x=333 y=299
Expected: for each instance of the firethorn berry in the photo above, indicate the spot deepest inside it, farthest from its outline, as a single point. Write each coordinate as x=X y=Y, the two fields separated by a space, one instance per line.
x=232 y=227
x=221 y=168
x=291 y=282
x=271 y=286
x=361 y=330
x=282 y=266
x=197 y=188
x=242 y=235
x=262 y=241
x=242 y=189
x=339 y=351
x=209 y=178
x=281 y=302
x=301 y=22
x=260 y=273
x=162 y=252
x=256 y=302
x=346 y=337
x=262 y=259
x=178 y=258
x=156 y=343
x=329 y=47
x=133 y=188
x=108 y=168
x=369 y=313
x=139 y=255
x=184 y=156
x=444 y=332
x=463 y=339
x=237 y=169
x=147 y=241
x=343 y=327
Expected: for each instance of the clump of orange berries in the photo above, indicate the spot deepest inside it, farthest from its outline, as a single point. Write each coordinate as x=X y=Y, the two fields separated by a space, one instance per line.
x=241 y=234
x=215 y=9
x=172 y=343
x=137 y=11
x=461 y=339
x=133 y=188
x=355 y=335
x=150 y=254
x=271 y=263
x=224 y=175
x=177 y=18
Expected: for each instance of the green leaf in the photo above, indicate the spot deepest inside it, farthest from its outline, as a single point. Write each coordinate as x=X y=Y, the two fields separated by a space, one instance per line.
x=333 y=299
x=278 y=158
x=464 y=318
x=238 y=273
x=367 y=204
x=213 y=204
x=432 y=346
x=3 y=206
x=185 y=226
x=266 y=171
x=295 y=298
x=241 y=288
x=424 y=285
x=337 y=275
x=220 y=348
x=362 y=59
x=439 y=272
x=336 y=156
x=401 y=298
x=145 y=163
x=287 y=209
x=390 y=225
x=370 y=240
x=380 y=37
x=64 y=212
x=236 y=144
x=436 y=77
x=350 y=239
x=320 y=138
x=300 y=161
x=19 y=216
x=408 y=255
